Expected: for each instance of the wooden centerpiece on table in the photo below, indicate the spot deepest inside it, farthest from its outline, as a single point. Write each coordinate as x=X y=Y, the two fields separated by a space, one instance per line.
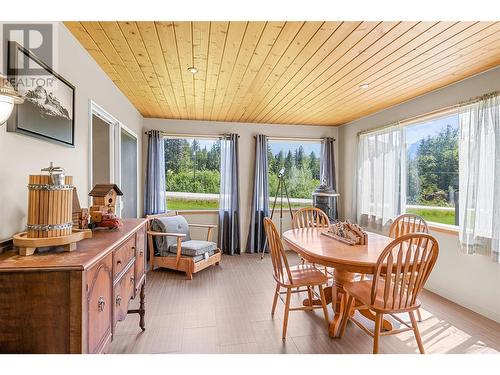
x=348 y=233
x=50 y=201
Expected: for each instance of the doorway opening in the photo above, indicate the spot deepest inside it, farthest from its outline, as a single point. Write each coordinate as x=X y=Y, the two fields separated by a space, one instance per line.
x=113 y=157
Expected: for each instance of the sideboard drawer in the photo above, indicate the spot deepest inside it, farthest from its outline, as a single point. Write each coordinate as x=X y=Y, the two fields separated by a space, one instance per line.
x=140 y=256
x=99 y=304
x=123 y=255
x=123 y=292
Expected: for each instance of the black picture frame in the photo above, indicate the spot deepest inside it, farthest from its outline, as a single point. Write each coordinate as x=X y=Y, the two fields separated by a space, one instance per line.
x=24 y=116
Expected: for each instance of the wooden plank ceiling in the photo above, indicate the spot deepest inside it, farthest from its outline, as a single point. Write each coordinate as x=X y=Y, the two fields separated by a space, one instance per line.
x=284 y=72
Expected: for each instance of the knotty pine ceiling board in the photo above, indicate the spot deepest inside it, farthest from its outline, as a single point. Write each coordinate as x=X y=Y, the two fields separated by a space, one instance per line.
x=284 y=72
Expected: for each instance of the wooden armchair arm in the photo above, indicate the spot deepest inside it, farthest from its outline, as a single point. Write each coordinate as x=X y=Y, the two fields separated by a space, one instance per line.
x=210 y=227
x=203 y=225
x=179 y=235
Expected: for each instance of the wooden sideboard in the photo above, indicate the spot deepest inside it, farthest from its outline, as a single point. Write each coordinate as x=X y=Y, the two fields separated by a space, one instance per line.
x=60 y=302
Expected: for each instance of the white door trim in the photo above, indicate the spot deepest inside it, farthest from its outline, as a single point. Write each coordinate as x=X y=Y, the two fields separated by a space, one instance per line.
x=131 y=133
x=97 y=110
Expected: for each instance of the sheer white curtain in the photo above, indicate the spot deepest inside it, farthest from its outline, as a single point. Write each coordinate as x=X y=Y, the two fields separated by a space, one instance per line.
x=381 y=182
x=479 y=168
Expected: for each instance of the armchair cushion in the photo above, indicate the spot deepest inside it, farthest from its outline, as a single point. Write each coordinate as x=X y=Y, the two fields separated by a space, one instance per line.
x=193 y=248
x=196 y=258
x=169 y=224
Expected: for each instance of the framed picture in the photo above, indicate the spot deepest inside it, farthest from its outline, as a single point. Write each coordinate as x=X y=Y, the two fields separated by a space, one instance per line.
x=48 y=111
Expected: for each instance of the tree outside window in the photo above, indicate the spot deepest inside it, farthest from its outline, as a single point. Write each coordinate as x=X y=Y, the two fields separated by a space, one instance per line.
x=192 y=170
x=301 y=161
x=432 y=169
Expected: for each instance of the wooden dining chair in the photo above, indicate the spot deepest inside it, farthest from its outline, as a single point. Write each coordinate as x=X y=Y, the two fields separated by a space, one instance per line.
x=400 y=275
x=310 y=217
x=292 y=277
x=405 y=224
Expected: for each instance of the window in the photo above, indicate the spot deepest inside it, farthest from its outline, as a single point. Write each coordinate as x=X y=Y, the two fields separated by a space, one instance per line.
x=192 y=170
x=301 y=160
x=412 y=168
x=432 y=169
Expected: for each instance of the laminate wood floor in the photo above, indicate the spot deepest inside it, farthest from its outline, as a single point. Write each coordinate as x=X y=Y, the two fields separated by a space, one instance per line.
x=227 y=309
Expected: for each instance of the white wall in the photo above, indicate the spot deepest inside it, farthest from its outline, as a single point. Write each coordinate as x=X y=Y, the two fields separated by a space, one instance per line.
x=471 y=281
x=22 y=155
x=247 y=131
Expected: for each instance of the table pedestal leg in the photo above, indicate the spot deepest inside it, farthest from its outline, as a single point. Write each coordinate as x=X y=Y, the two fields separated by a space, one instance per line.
x=338 y=299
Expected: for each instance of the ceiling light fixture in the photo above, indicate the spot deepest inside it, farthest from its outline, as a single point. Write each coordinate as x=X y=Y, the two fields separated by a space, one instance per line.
x=193 y=69
x=8 y=98
x=364 y=86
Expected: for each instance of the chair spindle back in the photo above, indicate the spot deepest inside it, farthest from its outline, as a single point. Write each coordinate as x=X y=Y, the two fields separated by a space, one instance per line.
x=404 y=266
x=310 y=217
x=278 y=256
x=407 y=223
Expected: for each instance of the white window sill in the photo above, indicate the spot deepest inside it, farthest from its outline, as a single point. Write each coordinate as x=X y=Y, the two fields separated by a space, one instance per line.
x=443 y=228
x=198 y=211
x=285 y=209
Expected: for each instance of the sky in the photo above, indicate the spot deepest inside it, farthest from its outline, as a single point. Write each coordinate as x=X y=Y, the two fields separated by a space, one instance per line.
x=415 y=133
x=205 y=143
x=276 y=146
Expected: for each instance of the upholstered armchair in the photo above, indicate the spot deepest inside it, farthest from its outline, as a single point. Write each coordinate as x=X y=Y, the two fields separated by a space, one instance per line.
x=171 y=246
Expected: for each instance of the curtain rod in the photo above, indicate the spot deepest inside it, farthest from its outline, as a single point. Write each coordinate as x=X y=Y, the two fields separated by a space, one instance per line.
x=211 y=136
x=190 y=135
x=295 y=139
x=412 y=120
x=428 y=115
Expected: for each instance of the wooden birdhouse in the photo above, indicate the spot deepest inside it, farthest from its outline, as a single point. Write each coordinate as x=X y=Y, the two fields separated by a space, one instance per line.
x=104 y=195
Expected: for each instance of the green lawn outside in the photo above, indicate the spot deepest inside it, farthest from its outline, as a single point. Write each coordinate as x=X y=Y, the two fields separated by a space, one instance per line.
x=188 y=204
x=436 y=216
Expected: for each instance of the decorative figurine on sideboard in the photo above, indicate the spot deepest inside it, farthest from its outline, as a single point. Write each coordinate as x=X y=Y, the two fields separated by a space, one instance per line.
x=80 y=216
x=102 y=212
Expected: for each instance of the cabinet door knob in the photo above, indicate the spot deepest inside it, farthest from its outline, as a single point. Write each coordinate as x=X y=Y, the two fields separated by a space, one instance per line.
x=100 y=304
x=141 y=252
x=118 y=300
x=118 y=262
x=131 y=279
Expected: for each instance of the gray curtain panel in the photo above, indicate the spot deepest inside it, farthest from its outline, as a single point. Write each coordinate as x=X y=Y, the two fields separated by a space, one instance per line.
x=327 y=165
x=155 y=175
x=229 y=201
x=260 y=200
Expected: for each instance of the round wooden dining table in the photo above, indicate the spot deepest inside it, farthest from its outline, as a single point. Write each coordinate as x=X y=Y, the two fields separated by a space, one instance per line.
x=346 y=260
